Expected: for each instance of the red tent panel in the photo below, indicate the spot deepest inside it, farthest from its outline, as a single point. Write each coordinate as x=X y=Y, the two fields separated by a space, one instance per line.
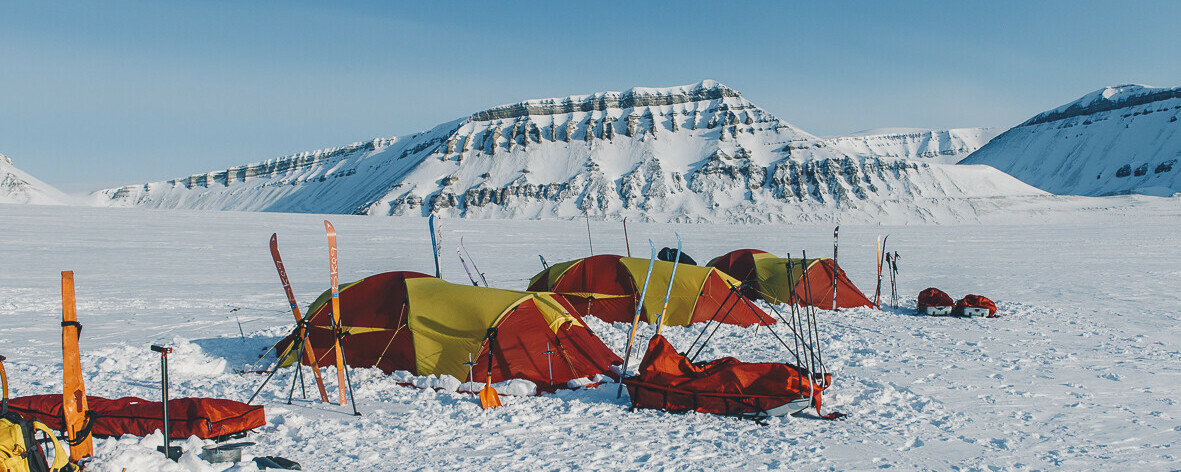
x=521 y=342
x=709 y=304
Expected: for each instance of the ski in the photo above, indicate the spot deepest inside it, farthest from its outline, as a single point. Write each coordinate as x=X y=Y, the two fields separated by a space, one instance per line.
x=672 y=278
x=877 y=293
x=74 y=406
x=475 y=267
x=302 y=332
x=332 y=271
x=435 y=243
x=459 y=253
x=631 y=337
x=835 y=270
x=544 y=264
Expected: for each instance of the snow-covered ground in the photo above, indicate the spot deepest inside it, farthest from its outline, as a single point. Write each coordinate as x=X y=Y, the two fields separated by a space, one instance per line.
x=1082 y=371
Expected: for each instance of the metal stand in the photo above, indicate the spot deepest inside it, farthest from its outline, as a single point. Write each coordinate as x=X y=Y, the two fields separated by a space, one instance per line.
x=172 y=453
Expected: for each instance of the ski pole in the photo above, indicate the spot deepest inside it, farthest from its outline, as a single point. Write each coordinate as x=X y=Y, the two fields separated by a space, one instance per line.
x=835 y=270
x=347 y=379
x=625 y=240
x=298 y=376
x=590 y=242
x=164 y=351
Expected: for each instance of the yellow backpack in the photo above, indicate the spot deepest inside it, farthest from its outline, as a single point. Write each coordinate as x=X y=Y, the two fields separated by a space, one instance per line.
x=18 y=447
x=19 y=451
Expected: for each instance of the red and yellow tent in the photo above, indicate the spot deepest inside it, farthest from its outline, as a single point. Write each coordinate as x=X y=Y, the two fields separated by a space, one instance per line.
x=608 y=287
x=417 y=323
x=767 y=275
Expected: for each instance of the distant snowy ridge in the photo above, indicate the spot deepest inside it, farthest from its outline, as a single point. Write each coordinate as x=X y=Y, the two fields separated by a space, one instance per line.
x=693 y=153
x=17 y=186
x=947 y=146
x=1116 y=140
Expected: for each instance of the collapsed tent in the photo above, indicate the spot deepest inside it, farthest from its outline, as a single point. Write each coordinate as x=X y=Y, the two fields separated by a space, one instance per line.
x=767 y=278
x=608 y=287
x=206 y=418
x=667 y=380
x=426 y=326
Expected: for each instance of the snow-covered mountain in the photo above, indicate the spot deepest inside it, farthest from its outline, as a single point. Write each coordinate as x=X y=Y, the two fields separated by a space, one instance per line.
x=947 y=146
x=17 y=186
x=699 y=152
x=1117 y=140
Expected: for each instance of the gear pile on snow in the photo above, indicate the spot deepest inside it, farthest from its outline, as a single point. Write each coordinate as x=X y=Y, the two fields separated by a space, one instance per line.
x=935 y=302
x=668 y=380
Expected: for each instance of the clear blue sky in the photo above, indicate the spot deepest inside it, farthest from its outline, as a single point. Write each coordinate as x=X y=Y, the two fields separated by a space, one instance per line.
x=105 y=93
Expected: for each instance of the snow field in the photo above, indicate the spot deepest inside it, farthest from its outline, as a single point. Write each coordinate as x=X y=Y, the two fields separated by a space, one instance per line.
x=1081 y=371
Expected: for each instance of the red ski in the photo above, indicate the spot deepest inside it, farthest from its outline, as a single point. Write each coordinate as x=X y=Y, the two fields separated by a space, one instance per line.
x=309 y=355
x=340 y=372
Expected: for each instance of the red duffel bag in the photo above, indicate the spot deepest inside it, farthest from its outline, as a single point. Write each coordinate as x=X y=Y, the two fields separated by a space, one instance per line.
x=205 y=418
x=976 y=301
x=934 y=297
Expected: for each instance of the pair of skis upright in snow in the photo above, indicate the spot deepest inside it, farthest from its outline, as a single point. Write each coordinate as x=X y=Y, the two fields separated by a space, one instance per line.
x=889 y=263
x=305 y=349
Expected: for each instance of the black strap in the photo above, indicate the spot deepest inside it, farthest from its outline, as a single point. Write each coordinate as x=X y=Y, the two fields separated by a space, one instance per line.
x=74 y=324
x=83 y=433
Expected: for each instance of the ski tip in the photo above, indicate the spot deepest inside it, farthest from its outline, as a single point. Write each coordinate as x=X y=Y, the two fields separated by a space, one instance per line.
x=274 y=238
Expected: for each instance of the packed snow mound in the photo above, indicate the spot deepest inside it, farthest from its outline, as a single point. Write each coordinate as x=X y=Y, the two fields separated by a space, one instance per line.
x=693 y=153
x=947 y=146
x=17 y=186
x=1116 y=140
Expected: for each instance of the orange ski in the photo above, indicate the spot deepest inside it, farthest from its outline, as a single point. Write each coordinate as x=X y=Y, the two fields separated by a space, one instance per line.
x=340 y=372
x=309 y=356
x=73 y=388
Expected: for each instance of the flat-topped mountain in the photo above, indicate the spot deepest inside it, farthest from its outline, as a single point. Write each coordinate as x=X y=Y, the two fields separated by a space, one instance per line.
x=700 y=152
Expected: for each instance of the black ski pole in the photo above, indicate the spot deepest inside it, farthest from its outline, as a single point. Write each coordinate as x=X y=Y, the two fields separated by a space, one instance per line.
x=278 y=363
x=835 y=271
x=299 y=372
x=894 y=280
x=347 y=379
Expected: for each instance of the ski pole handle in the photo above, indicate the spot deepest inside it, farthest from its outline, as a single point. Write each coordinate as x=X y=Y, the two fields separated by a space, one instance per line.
x=164 y=351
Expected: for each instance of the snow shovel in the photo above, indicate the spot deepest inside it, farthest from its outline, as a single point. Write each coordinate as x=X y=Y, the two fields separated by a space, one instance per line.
x=488 y=396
